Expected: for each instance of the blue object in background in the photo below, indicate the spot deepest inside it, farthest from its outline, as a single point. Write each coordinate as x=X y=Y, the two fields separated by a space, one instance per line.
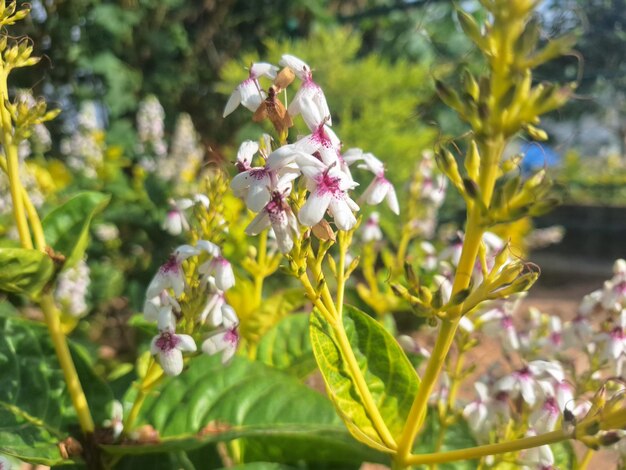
x=537 y=156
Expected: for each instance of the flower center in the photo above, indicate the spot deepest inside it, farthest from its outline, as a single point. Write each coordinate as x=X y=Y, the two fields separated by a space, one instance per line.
x=329 y=184
x=167 y=341
x=232 y=336
x=258 y=173
x=171 y=265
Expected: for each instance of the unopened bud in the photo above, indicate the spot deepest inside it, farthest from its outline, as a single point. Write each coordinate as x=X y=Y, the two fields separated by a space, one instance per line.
x=609 y=438
x=535 y=133
x=472 y=160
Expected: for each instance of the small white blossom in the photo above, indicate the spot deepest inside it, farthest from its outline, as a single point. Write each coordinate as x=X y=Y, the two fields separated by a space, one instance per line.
x=223 y=341
x=277 y=214
x=169 y=346
x=216 y=310
x=116 y=422
x=371 y=230
x=170 y=275
x=310 y=97
x=380 y=188
x=248 y=93
x=328 y=191
x=5 y=464
x=71 y=289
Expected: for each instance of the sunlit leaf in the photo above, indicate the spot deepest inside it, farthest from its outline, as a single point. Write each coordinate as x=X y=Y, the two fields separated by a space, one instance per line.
x=390 y=377
x=24 y=271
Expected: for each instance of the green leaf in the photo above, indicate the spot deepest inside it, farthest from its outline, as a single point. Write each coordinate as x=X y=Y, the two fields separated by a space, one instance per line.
x=35 y=410
x=390 y=377
x=24 y=271
x=67 y=227
x=287 y=346
x=564 y=455
x=246 y=400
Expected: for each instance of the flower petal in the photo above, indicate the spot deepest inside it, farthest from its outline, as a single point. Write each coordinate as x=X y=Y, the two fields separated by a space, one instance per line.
x=171 y=361
x=313 y=210
x=232 y=103
x=186 y=343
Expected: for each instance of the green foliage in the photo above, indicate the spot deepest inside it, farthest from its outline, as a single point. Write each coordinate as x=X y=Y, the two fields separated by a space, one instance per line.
x=382 y=117
x=388 y=373
x=210 y=403
x=24 y=271
x=256 y=320
x=287 y=346
x=67 y=227
x=457 y=436
x=35 y=411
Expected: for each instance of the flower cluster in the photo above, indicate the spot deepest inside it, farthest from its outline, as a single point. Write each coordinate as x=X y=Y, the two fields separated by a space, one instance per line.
x=550 y=366
x=163 y=305
x=84 y=148
x=183 y=159
x=151 y=127
x=271 y=188
x=71 y=289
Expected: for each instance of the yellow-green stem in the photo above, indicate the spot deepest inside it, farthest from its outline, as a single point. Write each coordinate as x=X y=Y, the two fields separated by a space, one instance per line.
x=341 y=272
x=35 y=222
x=16 y=188
x=402 y=249
x=490 y=449
x=259 y=277
x=313 y=297
x=455 y=380
x=33 y=217
x=418 y=408
x=153 y=374
x=445 y=337
x=584 y=462
x=67 y=365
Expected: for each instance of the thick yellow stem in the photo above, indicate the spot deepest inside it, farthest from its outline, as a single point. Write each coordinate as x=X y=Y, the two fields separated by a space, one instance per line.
x=67 y=365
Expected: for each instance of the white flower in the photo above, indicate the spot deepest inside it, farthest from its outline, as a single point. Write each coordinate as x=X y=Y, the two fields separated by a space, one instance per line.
x=169 y=346
x=544 y=419
x=310 y=97
x=116 y=422
x=224 y=341
x=322 y=140
x=277 y=214
x=175 y=221
x=531 y=380
x=590 y=302
x=328 y=191
x=248 y=93
x=255 y=184
x=245 y=154
x=5 y=464
x=71 y=290
x=152 y=307
x=216 y=310
x=477 y=412
x=170 y=275
x=221 y=269
x=434 y=189
x=380 y=188
x=539 y=458
x=371 y=230
x=614 y=340
x=430 y=255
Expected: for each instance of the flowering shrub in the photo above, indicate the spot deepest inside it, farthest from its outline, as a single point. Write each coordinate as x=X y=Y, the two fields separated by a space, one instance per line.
x=265 y=284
